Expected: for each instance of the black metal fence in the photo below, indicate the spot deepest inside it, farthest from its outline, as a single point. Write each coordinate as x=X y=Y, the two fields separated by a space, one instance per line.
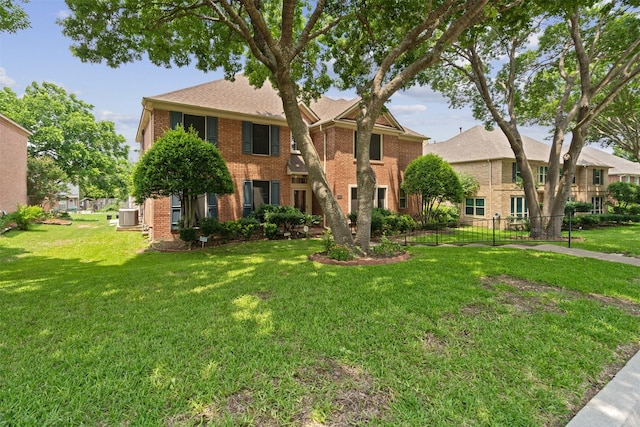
x=495 y=231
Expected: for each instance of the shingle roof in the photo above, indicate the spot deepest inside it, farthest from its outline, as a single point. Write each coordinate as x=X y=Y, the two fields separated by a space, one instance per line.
x=241 y=97
x=328 y=108
x=479 y=143
x=619 y=166
x=237 y=96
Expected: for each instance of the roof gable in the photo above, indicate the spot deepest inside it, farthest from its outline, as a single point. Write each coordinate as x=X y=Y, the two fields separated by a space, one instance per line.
x=239 y=97
x=480 y=144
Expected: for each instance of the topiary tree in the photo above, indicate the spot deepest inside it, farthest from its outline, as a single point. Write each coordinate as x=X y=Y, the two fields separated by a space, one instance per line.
x=434 y=181
x=182 y=164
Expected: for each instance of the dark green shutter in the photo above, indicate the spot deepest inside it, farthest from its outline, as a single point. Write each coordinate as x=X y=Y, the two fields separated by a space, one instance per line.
x=175 y=118
x=275 y=193
x=212 y=130
x=247 y=137
x=247 y=198
x=275 y=140
x=514 y=172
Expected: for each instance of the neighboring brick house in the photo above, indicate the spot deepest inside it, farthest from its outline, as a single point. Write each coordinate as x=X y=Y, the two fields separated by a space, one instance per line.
x=249 y=128
x=487 y=156
x=13 y=164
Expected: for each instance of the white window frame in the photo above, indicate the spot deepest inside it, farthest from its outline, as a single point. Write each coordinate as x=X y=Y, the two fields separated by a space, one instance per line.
x=597 y=204
x=474 y=206
x=525 y=208
x=542 y=174
x=375 y=197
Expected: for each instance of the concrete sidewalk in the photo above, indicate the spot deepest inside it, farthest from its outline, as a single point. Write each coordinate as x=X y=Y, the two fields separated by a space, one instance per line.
x=618 y=403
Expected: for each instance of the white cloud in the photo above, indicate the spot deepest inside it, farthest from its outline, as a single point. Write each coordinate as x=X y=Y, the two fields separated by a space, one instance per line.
x=404 y=110
x=62 y=14
x=422 y=93
x=5 y=80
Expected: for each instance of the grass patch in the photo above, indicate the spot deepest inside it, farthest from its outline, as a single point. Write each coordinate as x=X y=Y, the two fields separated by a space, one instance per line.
x=620 y=239
x=95 y=330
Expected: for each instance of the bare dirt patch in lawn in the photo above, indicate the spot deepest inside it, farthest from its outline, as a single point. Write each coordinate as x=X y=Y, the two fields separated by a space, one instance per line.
x=532 y=304
x=351 y=391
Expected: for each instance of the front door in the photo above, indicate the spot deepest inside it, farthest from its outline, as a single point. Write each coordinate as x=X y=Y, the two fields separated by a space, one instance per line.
x=300 y=199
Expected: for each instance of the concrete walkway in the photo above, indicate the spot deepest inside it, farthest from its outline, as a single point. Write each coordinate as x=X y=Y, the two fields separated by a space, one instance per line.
x=618 y=403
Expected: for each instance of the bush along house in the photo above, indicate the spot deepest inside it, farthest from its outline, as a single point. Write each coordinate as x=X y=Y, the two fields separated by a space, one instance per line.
x=249 y=128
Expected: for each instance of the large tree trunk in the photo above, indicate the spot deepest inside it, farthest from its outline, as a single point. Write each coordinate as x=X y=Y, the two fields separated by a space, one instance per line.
x=321 y=189
x=366 y=180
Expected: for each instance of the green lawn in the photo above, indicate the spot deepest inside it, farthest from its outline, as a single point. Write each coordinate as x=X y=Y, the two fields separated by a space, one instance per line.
x=623 y=240
x=96 y=331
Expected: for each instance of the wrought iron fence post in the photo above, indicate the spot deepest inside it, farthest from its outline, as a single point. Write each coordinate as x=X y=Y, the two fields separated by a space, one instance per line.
x=493 y=228
x=436 y=224
x=570 y=217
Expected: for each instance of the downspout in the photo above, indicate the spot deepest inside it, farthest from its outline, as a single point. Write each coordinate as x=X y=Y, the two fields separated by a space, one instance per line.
x=490 y=185
x=586 y=185
x=324 y=165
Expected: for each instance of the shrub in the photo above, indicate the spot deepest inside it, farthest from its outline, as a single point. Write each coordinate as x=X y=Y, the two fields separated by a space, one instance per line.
x=270 y=230
x=229 y=230
x=247 y=227
x=188 y=235
x=341 y=253
x=577 y=207
x=386 y=248
x=446 y=214
x=24 y=216
x=209 y=226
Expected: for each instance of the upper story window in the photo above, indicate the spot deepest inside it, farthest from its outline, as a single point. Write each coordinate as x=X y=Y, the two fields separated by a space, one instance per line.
x=206 y=126
x=598 y=176
x=375 y=146
x=542 y=174
x=260 y=139
x=515 y=172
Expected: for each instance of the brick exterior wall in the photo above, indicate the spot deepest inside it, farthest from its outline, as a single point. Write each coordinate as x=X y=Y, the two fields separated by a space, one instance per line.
x=497 y=187
x=340 y=169
x=341 y=166
x=13 y=165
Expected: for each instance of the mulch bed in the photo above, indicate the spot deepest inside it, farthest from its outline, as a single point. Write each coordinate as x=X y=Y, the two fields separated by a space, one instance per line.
x=55 y=222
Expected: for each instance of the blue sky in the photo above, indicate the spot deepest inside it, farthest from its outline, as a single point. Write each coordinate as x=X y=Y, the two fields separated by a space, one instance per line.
x=41 y=53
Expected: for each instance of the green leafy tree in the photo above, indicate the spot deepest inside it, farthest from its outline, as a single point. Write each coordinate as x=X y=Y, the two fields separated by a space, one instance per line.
x=470 y=185
x=434 y=181
x=625 y=193
x=64 y=129
x=385 y=49
x=588 y=52
x=285 y=41
x=12 y=16
x=45 y=179
x=115 y=185
x=618 y=126
x=182 y=164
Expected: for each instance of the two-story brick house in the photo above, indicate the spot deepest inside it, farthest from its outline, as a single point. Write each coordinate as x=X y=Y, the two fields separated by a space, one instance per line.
x=487 y=156
x=249 y=128
x=13 y=164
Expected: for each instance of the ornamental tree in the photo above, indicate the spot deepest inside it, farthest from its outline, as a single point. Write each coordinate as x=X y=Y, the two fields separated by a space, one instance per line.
x=180 y=163
x=434 y=181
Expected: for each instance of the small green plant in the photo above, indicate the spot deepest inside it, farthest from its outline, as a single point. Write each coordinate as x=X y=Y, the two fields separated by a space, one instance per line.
x=386 y=248
x=341 y=253
x=24 y=216
x=270 y=230
x=328 y=242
